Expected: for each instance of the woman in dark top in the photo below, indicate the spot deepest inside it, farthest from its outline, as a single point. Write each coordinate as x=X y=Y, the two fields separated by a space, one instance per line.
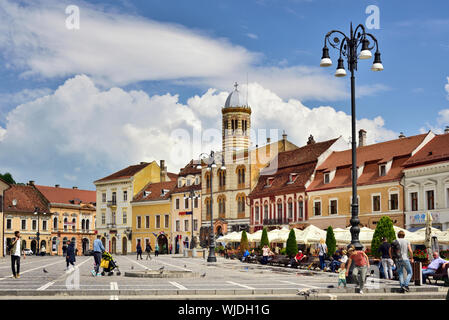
x=70 y=257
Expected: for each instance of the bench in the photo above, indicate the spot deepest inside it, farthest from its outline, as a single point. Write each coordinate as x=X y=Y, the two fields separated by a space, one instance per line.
x=279 y=260
x=442 y=274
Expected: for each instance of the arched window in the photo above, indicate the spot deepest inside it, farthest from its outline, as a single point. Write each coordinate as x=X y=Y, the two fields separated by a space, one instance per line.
x=83 y=224
x=208 y=205
x=265 y=210
x=241 y=203
x=290 y=209
x=300 y=209
x=221 y=178
x=207 y=178
x=256 y=213
x=55 y=223
x=73 y=224
x=221 y=204
x=241 y=175
x=65 y=224
x=87 y=224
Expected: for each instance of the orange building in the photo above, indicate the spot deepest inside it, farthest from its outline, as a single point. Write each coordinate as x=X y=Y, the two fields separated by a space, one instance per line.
x=72 y=213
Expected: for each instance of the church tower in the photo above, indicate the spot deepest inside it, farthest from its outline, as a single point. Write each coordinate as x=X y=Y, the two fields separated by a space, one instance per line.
x=236 y=123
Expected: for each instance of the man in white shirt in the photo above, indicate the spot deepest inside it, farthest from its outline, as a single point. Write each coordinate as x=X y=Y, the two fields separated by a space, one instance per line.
x=16 y=251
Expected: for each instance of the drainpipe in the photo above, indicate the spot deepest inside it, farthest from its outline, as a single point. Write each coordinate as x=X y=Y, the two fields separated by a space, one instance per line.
x=403 y=199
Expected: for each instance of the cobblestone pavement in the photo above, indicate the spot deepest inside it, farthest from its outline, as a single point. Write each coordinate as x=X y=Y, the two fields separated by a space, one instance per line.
x=221 y=280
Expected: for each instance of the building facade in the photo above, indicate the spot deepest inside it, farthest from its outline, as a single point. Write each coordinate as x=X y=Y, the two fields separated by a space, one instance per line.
x=114 y=195
x=279 y=199
x=27 y=211
x=225 y=192
x=72 y=213
x=152 y=215
x=186 y=207
x=426 y=177
x=380 y=186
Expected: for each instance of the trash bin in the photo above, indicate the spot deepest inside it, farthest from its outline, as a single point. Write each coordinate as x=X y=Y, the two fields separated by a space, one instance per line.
x=417 y=273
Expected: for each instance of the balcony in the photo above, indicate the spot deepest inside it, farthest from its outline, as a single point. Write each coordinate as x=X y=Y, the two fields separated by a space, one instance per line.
x=276 y=222
x=111 y=226
x=111 y=203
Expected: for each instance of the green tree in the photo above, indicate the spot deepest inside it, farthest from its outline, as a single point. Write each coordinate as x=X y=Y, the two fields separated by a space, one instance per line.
x=292 y=247
x=384 y=228
x=244 y=245
x=264 y=239
x=7 y=177
x=331 y=243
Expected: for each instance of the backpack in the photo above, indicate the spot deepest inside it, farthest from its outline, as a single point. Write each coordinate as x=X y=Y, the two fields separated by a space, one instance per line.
x=396 y=250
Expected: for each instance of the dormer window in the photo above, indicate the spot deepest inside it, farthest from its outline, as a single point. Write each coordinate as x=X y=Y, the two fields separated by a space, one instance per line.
x=146 y=193
x=326 y=178
x=292 y=177
x=188 y=182
x=269 y=182
x=197 y=180
x=179 y=183
x=382 y=170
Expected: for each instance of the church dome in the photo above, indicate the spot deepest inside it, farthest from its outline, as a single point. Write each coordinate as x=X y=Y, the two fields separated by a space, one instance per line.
x=234 y=99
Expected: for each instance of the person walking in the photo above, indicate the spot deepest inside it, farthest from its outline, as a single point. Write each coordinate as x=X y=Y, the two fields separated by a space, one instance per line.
x=98 y=251
x=156 y=250
x=148 y=249
x=361 y=266
x=16 y=251
x=387 y=262
x=139 y=250
x=322 y=247
x=400 y=248
x=70 y=257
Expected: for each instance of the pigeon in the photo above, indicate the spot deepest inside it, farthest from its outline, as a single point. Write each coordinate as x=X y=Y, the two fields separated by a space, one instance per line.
x=185 y=266
x=45 y=271
x=303 y=292
x=161 y=268
x=203 y=275
x=132 y=267
x=331 y=286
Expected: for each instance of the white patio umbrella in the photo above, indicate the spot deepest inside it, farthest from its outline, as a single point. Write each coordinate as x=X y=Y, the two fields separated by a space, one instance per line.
x=311 y=234
x=255 y=237
x=230 y=237
x=279 y=235
x=344 y=237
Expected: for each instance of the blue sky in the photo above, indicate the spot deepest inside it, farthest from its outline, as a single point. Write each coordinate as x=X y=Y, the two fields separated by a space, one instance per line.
x=276 y=44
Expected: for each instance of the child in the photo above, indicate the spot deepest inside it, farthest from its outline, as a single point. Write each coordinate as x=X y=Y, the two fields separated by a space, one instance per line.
x=342 y=275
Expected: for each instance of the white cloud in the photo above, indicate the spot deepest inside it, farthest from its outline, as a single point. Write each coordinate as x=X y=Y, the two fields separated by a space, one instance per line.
x=82 y=133
x=116 y=49
x=443 y=117
x=252 y=36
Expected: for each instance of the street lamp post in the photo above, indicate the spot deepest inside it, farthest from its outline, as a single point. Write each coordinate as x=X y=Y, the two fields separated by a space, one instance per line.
x=210 y=160
x=36 y=212
x=192 y=196
x=348 y=47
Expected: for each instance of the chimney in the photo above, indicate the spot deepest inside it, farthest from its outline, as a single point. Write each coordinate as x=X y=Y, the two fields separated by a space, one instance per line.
x=56 y=185
x=163 y=171
x=31 y=183
x=362 y=138
x=268 y=140
x=74 y=188
x=446 y=130
x=284 y=141
x=401 y=136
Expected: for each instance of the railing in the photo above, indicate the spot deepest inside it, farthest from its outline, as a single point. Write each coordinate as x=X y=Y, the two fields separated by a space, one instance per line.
x=111 y=226
x=278 y=221
x=111 y=203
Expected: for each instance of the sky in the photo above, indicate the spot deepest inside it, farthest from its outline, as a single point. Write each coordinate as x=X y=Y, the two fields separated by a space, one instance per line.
x=90 y=87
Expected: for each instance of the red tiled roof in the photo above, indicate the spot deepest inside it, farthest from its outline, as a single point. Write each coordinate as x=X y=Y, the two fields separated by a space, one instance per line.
x=436 y=150
x=381 y=152
x=301 y=161
x=370 y=157
x=65 y=195
x=124 y=173
x=155 y=190
x=189 y=169
x=28 y=198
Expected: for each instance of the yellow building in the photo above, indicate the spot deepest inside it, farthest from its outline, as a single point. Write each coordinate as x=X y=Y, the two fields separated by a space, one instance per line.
x=27 y=211
x=380 y=187
x=3 y=187
x=151 y=223
x=114 y=214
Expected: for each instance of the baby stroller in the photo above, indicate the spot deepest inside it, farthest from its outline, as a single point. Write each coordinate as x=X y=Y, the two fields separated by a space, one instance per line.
x=109 y=264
